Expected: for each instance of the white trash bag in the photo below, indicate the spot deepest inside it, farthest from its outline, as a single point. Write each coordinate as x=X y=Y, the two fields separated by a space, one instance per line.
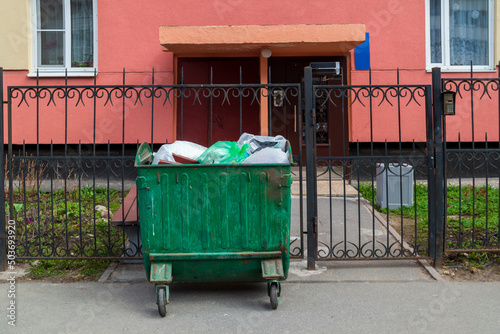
x=257 y=143
x=267 y=155
x=179 y=147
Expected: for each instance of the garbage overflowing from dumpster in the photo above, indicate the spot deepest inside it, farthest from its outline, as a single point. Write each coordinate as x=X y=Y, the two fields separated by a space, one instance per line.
x=222 y=216
x=249 y=149
x=178 y=148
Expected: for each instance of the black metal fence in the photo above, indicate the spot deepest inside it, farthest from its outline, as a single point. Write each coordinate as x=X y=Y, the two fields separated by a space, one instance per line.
x=71 y=200
x=472 y=165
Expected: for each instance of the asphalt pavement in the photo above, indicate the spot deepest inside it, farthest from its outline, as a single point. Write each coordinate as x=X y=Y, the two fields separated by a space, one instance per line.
x=338 y=297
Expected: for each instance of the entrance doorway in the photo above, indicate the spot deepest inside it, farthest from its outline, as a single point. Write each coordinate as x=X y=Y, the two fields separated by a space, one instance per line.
x=206 y=116
x=332 y=121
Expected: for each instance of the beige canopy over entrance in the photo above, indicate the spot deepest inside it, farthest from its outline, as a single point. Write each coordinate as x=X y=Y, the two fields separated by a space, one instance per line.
x=261 y=41
x=249 y=40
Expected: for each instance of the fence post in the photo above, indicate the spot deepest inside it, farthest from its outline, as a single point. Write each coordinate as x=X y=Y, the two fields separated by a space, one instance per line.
x=3 y=226
x=312 y=205
x=438 y=243
x=431 y=179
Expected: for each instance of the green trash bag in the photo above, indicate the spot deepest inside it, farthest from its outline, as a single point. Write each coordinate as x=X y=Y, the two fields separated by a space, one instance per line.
x=224 y=153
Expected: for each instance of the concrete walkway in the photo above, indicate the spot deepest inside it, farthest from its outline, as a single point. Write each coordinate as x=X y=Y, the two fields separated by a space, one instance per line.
x=345 y=297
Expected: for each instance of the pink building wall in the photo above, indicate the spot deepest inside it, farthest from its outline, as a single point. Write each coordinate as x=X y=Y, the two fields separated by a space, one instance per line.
x=128 y=38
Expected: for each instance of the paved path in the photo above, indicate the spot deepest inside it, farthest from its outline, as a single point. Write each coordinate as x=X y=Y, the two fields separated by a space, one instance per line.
x=346 y=225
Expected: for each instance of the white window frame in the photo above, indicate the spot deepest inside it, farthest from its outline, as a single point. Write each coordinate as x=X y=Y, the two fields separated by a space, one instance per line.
x=445 y=38
x=54 y=70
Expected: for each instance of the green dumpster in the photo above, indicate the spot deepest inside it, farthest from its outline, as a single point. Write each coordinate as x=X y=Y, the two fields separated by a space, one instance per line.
x=214 y=223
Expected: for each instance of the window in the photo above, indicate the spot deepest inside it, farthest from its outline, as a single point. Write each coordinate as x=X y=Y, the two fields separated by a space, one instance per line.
x=64 y=37
x=458 y=32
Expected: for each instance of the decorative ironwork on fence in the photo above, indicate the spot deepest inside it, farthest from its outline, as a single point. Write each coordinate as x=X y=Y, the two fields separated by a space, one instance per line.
x=63 y=197
x=472 y=165
x=69 y=199
x=350 y=226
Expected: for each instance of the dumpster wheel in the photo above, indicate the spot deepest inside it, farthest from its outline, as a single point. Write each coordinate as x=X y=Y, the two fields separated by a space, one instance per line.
x=273 y=295
x=161 y=300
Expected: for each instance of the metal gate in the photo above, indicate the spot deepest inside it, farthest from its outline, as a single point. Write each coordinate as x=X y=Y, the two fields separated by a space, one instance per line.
x=343 y=191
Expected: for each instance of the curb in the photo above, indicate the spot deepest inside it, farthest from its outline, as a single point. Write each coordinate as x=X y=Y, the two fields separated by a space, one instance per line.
x=430 y=269
x=107 y=273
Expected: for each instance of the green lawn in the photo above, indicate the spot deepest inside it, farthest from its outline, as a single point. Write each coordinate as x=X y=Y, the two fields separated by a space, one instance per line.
x=472 y=215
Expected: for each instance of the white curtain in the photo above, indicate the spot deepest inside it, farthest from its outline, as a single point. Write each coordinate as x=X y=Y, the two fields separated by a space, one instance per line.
x=82 y=33
x=50 y=32
x=469 y=32
x=435 y=23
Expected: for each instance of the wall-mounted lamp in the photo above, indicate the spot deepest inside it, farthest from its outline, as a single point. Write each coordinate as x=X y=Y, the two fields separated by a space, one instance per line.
x=266 y=53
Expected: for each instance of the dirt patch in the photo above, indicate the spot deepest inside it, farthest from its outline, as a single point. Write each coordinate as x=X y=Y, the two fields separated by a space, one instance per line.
x=471 y=267
x=62 y=271
x=490 y=273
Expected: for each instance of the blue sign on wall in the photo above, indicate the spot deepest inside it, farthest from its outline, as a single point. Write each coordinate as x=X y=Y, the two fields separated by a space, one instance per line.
x=362 y=54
